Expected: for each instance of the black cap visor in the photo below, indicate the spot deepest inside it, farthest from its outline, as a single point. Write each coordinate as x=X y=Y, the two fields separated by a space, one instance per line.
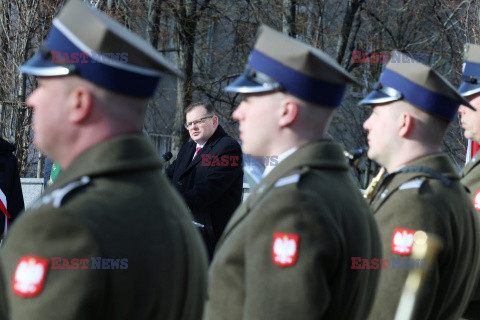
x=41 y=65
x=381 y=94
x=469 y=86
x=252 y=81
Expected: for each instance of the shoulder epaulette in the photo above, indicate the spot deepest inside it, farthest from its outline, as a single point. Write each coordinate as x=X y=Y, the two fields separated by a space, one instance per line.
x=413 y=184
x=287 y=180
x=57 y=196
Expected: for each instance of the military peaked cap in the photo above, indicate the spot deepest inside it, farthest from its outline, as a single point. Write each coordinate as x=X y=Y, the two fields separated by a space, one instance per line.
x=406 y=79
x=85 y=42
x=278 y=62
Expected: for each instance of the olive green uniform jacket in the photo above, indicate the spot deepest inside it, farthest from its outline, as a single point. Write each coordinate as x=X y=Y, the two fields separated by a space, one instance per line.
x=286 y=252
x=113 y=207
x=411 y=201
x=470 y=177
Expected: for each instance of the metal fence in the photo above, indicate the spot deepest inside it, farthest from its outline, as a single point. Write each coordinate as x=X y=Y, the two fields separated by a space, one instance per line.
x=163 y=142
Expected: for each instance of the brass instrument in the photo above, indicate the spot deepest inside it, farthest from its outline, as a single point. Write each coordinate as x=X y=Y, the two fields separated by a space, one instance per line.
x=354 y=156
x=374 y=184
x=426 y=246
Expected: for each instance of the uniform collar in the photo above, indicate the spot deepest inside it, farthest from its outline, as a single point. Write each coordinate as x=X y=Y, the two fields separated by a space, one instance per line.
x=439 y=162
x=470 y=165
x=130 y=152
x=281 y=157
x=322 y=154
x=318 y=154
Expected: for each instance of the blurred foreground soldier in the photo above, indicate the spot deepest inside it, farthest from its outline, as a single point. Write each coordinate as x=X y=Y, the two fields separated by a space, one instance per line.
x=110 y=239
x=286 y=253
x=412 y=107
x=470 y=122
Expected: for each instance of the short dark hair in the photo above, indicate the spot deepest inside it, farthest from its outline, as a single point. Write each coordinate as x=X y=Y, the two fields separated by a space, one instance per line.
x=206 y=105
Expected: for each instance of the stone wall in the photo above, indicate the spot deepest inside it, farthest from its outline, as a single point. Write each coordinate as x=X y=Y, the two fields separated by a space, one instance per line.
x=32 y=188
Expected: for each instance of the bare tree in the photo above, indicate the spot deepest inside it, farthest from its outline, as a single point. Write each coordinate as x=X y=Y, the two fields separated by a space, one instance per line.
x=351 y=10
x=210 y=41
x=289 y=10
x=187 y=14
x=22 y=27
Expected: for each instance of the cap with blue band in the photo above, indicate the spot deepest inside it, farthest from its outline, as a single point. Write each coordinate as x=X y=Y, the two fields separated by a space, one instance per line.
x=108 y=54
x=281 y=63
x=298 y=84
x=419 y=85
x=419 y=96
x=472 y=69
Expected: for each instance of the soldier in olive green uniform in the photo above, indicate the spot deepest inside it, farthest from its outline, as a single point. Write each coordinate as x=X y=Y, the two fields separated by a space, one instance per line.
x=411 y=109
x=287 y=251
x=110 y=239
x=470 y=177
x=470 y=121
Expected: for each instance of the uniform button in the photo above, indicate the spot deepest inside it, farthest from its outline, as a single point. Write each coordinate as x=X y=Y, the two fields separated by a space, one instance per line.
x=179 y=182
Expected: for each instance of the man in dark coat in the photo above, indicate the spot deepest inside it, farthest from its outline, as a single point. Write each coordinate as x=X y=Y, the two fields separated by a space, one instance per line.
x=208 y=173
x=110 y=238
x=10 y=180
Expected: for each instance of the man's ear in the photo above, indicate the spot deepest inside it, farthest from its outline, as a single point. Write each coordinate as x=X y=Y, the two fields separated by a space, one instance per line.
x=288 y=111
x=406 y=124
x=80 y=104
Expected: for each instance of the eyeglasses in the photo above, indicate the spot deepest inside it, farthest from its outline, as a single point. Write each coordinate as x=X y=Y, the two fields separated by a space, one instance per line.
x=196 y=122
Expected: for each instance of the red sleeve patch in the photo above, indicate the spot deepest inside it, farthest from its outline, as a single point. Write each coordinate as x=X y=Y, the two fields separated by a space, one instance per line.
x=402 y=241
x=29 y=276
x=285 y=249
x=476 y=200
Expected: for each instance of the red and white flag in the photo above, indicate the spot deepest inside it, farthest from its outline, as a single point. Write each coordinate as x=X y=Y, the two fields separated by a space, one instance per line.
x=3 y=208
x=472 y=149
